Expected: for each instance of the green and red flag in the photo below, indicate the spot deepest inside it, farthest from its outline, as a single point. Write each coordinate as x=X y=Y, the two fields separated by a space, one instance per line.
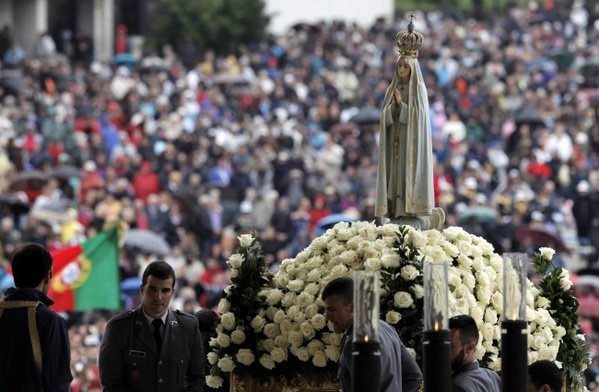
x=86 y=276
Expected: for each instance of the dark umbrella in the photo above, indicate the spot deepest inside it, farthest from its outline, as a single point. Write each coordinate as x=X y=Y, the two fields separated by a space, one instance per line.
x=53 y=212
x=344 y=128
x=148 y=241
x=541 y=237
x=153 y=68
x=530 y=117
x=12 y=80
x=329 y=221
x=32 y=178
x=366 y=116
x=227 y=78
x=15 y=204
x=66 y=172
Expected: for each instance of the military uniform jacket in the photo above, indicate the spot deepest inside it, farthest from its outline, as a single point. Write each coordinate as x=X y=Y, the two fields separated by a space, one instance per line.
x=399 y=370
x=130 y=362
x=473 y=378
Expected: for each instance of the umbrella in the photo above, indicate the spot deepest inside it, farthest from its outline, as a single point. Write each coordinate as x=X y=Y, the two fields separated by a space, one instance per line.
x=53 y=212
x=229 y=79
x=481 y=213
x=542 y=237
x=6 y=281
x=32 y=178
x=329 y=221
x=591 y=64
x=131 y=285
x=344 y=128
x=154 y=68
x=148 y=241
x=529 y=116
x=366 y=116
x=128 y=59
x=587 y=280
x=66 y=172
x=16 y=204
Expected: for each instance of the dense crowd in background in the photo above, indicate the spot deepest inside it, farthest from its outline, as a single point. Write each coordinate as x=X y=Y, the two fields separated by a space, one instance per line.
x=202 y=148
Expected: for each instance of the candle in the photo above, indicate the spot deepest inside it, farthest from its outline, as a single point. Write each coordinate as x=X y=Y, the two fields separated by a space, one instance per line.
x=514 y=339
x=365 y=354
x=436 y=347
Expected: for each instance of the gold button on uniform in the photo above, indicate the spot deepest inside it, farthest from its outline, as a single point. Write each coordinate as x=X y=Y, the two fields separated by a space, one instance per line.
x=160 y=381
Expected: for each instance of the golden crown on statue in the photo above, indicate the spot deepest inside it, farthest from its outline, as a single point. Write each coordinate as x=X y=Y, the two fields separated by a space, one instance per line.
x=409 y=41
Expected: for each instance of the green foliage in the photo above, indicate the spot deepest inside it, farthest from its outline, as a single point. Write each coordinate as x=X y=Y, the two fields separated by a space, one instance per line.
x=573 y=352
x=219 y=25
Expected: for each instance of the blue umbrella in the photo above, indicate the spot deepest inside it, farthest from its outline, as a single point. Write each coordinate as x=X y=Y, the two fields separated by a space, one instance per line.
x=131 y=285
x=329 y=221
x=6 y=281
x=128 y=59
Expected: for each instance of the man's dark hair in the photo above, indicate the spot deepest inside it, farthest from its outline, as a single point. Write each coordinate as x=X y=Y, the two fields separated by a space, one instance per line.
x=207 y=320
x=159 y=269
x=30 y=263
x=343 y=287
x=545 y=372
x=467 y=327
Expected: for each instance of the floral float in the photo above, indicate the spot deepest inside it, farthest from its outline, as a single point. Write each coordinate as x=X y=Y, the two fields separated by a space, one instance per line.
x=273 y=327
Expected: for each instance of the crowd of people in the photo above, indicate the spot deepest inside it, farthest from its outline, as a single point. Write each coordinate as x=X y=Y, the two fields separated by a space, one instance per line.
x=278 y=135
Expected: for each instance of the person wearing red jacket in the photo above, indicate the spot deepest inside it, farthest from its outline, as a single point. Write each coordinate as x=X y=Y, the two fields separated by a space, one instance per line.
x=146 y=182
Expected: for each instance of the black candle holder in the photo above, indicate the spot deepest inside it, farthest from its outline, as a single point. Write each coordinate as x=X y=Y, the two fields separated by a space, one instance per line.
x=514 y=357
x=436 y=361
x=366 y=359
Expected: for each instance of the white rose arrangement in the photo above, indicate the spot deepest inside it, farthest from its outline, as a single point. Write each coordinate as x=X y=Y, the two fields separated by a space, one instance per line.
x=276 y=328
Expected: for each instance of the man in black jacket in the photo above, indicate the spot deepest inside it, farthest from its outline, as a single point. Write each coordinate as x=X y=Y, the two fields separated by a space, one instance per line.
x=35 y=353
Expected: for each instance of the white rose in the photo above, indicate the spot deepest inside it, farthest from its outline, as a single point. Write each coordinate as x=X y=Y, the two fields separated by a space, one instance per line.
x=281 y=280
x=245 y=240
x=279 y=316
x=236 y=260
x=477 y=314
x=311 y=310
x=271 y=311
x=437 y=255
x=418 y=291
x=228 y=320
x=274 y=297
x=343 y=234
x=348 y=257
x=226 y=364
x=318 y=321
x=409 y=272
x=469 y=281
x=417 y=238
x=237 y=336
x=234 y=273
x=288 y=299
x=564 y=282
x=372 y=264
x=267 y=362
x=477 y=251
x=392 y=317
x=451 y=250
x=547 y=253
x=304 y=299
x=282 y=341
x=314 y=275
x=279 y=354
x=296 y=285
x=339 y=270
x=224 y=306
x=212 y=357
x=214 y=382
x=314 y=346
x=319 y=359
x=285 y=326
x=268 y=344
x=295 y=338
x=390 y=260
x=302 y=354
x=313 y=263
x=307 y=330
x=271 y=330
x=465 y=248
x=258 y=323
x=543 y=303
x=332 y=353
x=245 y=356
x=223 y=340
x=402 y=299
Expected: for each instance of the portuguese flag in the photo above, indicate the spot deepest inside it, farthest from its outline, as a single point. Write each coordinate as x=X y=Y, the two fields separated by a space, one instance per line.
x=86 y=276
